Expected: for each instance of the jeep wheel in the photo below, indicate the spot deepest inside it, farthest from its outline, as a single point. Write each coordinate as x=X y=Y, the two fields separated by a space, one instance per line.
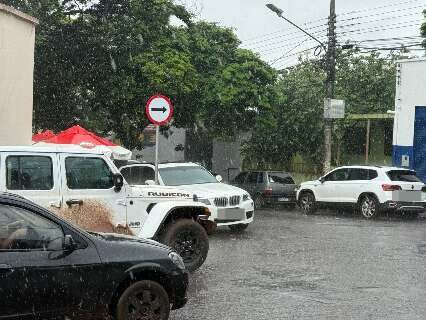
x=144 y=300
x=238 y=227
x=190 y=240
x=369 y=206
x=307 y=203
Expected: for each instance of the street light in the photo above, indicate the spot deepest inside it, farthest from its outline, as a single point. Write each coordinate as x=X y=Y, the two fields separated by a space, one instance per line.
x=280 y=12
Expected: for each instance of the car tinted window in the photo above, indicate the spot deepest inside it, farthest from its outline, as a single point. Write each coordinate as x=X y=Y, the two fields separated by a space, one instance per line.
x=21 y=229
x=138 y=175
x=88 y=173
x=338 y=175
x=403 y=175
x=240 y=178
x=281 y=178
x=252 y=177
x=29 y=173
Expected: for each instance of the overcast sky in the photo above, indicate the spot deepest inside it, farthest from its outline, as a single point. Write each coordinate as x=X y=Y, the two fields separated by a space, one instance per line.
x=262 y=31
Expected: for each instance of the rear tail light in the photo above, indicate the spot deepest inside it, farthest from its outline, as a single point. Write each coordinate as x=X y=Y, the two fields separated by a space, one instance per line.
x=267 y=193
x=391 y=187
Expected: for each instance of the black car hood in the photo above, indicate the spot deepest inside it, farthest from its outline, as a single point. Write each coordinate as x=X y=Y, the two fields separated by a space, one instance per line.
x=114 y=237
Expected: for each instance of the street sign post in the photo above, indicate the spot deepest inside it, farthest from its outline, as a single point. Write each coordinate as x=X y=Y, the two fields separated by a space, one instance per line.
x=159 y=111
x=334 y=109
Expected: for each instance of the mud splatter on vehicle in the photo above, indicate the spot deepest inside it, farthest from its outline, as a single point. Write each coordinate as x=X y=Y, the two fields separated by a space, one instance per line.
x=93 y=216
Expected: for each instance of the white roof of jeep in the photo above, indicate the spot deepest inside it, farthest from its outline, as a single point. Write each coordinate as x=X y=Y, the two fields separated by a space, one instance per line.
x=51 y=149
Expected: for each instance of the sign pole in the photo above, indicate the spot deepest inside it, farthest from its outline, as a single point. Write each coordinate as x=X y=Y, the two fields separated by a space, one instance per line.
x=159 y=111
x=157 y=140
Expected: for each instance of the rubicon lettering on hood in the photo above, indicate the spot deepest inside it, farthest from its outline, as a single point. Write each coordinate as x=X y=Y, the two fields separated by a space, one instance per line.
x=168 y=194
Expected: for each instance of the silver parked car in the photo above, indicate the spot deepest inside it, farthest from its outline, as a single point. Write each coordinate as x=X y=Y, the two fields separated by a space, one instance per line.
x=268 y=187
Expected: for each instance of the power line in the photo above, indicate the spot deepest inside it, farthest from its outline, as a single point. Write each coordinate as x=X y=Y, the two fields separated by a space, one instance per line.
x=289 y=51
x=268 y=51
x=388 y=39
x=396 y=4
x=389 y=27
x=267 y=45
x=298 y=53
x=376 y=20
x=281 y=30
x=285 y=35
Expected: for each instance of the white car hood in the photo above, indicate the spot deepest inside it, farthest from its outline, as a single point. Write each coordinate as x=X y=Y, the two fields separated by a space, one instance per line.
x=212 y=190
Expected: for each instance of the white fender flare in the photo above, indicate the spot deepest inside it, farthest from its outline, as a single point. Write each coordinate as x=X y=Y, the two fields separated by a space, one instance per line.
x=159 y=213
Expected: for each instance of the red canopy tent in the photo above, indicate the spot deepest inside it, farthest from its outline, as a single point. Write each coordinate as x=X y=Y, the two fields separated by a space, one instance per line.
x=77 y=135
x=43 y=136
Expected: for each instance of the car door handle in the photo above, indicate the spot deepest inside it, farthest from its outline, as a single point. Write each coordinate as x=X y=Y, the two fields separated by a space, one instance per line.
x=73 y=202
x=6 y=270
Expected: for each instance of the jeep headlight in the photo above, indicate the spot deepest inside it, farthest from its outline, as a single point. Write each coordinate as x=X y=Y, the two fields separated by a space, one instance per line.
x=177 y=260
x=205 y=201
x=246 y=197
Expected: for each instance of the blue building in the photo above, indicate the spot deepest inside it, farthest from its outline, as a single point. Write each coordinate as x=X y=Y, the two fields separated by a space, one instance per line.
x=409 y=135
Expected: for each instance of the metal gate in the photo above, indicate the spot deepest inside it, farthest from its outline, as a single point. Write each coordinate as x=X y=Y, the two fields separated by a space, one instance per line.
x=420 y=143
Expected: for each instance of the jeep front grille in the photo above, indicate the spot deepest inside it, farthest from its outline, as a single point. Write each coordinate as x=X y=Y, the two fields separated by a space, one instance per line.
x=234 y=200
x=221 y=202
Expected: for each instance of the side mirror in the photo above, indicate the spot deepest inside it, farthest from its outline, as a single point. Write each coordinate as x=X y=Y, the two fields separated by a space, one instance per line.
x=69 y=244
x=150 y=182
x=322 y=179
x=219 y=178
x=118 y=182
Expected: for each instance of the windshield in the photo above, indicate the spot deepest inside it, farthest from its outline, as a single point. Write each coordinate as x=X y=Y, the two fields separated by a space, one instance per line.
x=403 y=176
x=280 y=178
x=178 y=176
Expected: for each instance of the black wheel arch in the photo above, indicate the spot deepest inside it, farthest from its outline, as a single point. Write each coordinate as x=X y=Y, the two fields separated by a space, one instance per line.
x=303 y=191
x=178 y=213
x=372 y=194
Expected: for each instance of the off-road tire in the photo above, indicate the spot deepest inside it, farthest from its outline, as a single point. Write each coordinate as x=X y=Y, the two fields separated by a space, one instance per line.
x=238 y=227
x=369 y=206
x=190 y=241
x=143 y=299
x=307 y=203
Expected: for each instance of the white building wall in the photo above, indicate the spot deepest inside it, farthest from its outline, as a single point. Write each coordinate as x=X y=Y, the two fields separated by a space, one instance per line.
x=410 y=93
x=17 y=36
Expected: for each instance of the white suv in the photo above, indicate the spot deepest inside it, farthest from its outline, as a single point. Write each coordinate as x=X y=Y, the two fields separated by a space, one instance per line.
x=370 y=189
x=230 y=206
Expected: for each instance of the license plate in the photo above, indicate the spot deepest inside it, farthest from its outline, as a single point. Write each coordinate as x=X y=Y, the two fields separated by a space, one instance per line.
x=283 y=199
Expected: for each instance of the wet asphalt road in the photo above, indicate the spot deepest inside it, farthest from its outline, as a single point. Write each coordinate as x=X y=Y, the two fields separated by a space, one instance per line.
x=328 y=266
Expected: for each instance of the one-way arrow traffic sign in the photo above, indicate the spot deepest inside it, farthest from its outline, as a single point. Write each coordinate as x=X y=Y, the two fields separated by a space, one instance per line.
x=159 y=110
x=163 y=109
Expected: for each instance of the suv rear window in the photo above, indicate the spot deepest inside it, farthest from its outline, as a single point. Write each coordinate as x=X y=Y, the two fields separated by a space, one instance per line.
x=29 y=173
x=403 y=175
x=281 y=178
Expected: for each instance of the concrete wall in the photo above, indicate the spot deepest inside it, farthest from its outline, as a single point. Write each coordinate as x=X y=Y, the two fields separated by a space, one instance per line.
x=17 y=35
x=167 y=148
x=227 y=160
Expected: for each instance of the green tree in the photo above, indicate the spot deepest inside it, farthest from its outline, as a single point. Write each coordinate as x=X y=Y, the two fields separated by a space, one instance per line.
x=365 y=82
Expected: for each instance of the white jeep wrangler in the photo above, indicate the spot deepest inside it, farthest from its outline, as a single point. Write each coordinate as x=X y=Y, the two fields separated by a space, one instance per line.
x=70 y=178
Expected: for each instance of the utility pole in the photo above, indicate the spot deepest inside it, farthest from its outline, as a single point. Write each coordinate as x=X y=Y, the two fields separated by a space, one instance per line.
x=331 y=78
